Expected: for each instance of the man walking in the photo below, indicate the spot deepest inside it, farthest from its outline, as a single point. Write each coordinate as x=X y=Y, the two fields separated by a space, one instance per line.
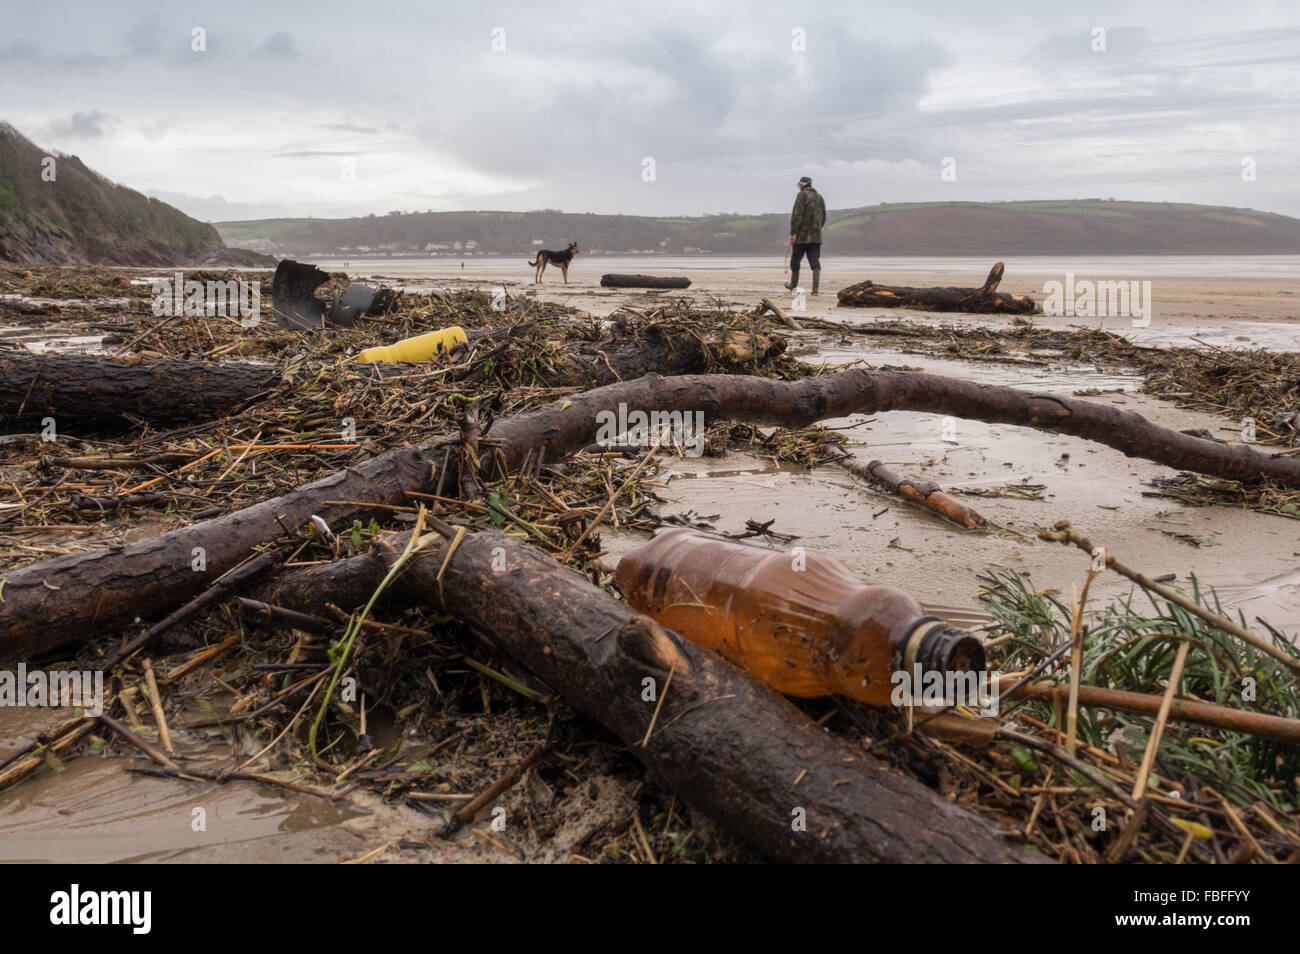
x=806 y=223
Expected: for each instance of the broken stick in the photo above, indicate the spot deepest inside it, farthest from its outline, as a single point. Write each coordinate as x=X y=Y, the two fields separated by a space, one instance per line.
x=923 y=493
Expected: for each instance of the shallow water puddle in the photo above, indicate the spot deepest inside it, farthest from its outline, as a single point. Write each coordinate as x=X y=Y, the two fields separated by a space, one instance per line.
x=45 y=340
x=92 y=809
x=1025 y=375
x=1273 y=336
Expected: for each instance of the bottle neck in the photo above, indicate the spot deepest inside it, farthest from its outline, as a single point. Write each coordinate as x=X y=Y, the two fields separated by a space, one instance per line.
x=936 y=646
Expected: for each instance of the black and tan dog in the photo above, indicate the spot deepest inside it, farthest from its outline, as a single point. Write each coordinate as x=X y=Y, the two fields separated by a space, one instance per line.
x=559 y=259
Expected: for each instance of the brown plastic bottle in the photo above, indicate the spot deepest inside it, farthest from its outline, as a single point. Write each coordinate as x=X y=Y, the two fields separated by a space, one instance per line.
x=799 y=621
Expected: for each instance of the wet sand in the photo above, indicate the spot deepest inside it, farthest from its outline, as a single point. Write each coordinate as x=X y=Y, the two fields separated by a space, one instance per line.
x=1251 y=301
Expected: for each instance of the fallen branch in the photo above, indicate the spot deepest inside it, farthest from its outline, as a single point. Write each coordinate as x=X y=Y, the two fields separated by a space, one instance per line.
x=493 y=791
x=269 y=615
x=1188 y=710
x=885 y=330
x=138 y=742
x=767 y=305
x=57 y=600
x=559 y=428
x=21 y=764
x=219 y=590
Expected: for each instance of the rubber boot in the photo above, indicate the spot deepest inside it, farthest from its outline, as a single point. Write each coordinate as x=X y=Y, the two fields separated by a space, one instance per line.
x=817 y=279
x=793 y=283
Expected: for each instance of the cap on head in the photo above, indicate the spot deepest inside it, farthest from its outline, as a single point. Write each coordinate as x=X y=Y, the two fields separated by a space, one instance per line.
x=805 y=181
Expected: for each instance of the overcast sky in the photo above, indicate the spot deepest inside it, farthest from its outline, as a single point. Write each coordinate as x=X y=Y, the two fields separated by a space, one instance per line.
x=334 y=109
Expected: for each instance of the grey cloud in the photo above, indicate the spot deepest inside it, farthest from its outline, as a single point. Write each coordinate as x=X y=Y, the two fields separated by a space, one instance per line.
x=91 y=124
x=350 y=128
x=307 y=153
x=145 y=38
x=281 y=44
x=25 y=54
x=216 y=208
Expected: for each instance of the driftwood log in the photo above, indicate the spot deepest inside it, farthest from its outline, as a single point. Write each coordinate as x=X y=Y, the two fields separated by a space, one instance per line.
x=91 y=392
x=55 y=601
x=727 y=744
x=978 y=300
x=643 y=281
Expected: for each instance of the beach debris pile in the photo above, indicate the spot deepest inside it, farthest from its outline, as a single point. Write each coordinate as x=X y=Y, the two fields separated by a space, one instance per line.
x=459 y=697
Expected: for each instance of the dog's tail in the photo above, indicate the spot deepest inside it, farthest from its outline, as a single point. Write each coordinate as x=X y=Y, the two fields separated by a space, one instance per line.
x=534 y=261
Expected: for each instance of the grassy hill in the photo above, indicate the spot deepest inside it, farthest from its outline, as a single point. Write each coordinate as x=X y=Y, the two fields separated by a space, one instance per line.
x=81 y=218
x=1067 y=227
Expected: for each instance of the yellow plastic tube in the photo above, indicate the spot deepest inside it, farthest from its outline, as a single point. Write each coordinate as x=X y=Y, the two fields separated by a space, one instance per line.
x=420 y=348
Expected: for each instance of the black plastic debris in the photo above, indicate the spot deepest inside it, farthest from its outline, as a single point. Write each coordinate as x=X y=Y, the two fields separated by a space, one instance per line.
x=356 y=301
x=292 y=295
x=296 y=305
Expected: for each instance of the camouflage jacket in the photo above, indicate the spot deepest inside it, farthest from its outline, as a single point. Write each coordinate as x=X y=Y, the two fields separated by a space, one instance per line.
x=808 y=217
